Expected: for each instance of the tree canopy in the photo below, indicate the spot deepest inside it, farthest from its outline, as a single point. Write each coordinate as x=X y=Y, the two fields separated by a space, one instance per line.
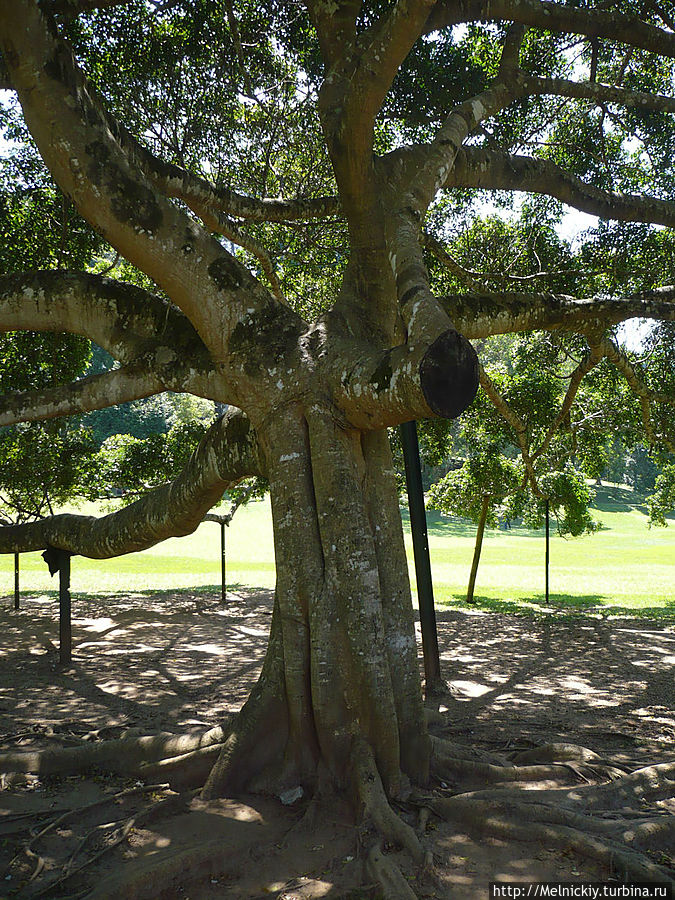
x=275 y=206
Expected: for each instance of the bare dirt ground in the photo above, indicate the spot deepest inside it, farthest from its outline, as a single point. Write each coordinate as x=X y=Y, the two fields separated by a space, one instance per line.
x=180 y=662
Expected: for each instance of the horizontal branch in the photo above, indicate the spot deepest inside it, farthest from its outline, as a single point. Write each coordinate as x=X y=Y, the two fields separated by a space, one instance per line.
x=600 y=23
x=227 y=453
x=491 y=170
x=124 y=319
x=482 y=315
x=94 y=392
x=203 y=197
x=597 y=92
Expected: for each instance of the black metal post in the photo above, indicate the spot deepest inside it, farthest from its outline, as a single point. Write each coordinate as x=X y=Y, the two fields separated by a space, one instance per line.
x=59 y=561
x=222 y=561
x=16 y=581
x=65 y=625
x=418 y=527
x=548 y=547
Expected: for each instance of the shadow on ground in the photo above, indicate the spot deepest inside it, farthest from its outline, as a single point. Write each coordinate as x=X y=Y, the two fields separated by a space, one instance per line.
x=182 y=660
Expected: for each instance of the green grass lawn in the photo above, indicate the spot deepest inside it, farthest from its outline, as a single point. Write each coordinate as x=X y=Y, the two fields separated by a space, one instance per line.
x=625 y=566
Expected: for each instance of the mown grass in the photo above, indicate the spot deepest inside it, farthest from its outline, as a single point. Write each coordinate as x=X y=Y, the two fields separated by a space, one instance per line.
x=625 y=567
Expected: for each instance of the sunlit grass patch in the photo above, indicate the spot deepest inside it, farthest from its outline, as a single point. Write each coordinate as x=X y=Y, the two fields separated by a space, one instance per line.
x=626 y=567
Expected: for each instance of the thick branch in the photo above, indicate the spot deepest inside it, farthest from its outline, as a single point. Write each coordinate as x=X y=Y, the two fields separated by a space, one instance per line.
x=488 y=169
x=125 y=320
x=228 y=453
x=85 y=151
x=555 y=17
x=482 y=315
x=350 y=98
x=335 y=25
x=95 y=392
x=412 y=381
x=598 y=92
x=427 y=169
x=203 y=197
x=388 y=45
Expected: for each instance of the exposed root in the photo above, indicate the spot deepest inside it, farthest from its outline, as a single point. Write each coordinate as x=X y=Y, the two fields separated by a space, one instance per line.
x=124 y=756
x=389 y=876
x=649 y=784
x=561 y=817
x=449 y=750
x=189 y=770
x=559 y=753
x=111 y=833
x=158 y=879
x=653 y=834
x=374 y=799
x=448 y=764
x=485 y=818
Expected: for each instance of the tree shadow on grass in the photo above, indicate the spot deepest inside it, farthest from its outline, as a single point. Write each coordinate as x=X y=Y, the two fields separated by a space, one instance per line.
x=561 y=605
x=615 y=498
x=439 y=525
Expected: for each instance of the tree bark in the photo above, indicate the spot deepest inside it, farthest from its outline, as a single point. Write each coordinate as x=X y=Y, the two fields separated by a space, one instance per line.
x=478 y=547
x=341 y=665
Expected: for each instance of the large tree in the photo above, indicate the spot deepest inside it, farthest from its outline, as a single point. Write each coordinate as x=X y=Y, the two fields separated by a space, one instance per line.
x=322 y=151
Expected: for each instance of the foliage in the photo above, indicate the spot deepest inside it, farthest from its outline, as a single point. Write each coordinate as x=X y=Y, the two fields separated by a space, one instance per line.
x=435 y=437
x=662 y=502
x=569 y=498
x=129 y=466
x=42 y=466
x=641 y=471
x=461 y=491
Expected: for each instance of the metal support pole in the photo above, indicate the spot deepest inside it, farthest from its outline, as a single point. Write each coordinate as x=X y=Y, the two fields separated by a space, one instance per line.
x=65 y=624
x=418 y=527
x=548 y=547
x=222 y=561
x=16 y=581
x=59 y=561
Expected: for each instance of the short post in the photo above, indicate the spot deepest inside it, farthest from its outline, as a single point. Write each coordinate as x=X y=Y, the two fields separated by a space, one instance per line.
x=59 y=561
x=16 y=581
x=222 y=561
x=548 y=546
x=425 y=588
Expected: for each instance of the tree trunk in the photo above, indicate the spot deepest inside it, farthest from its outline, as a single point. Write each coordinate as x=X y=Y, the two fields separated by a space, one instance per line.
x=479 y=546
x=341 y=667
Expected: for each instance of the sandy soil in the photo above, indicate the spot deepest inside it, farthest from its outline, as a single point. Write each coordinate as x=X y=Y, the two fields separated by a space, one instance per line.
x=179 y=662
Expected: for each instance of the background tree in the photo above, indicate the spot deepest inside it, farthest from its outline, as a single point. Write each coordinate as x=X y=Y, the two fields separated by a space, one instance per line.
x=662 y=501
x=476 y=491
x=176 y=133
